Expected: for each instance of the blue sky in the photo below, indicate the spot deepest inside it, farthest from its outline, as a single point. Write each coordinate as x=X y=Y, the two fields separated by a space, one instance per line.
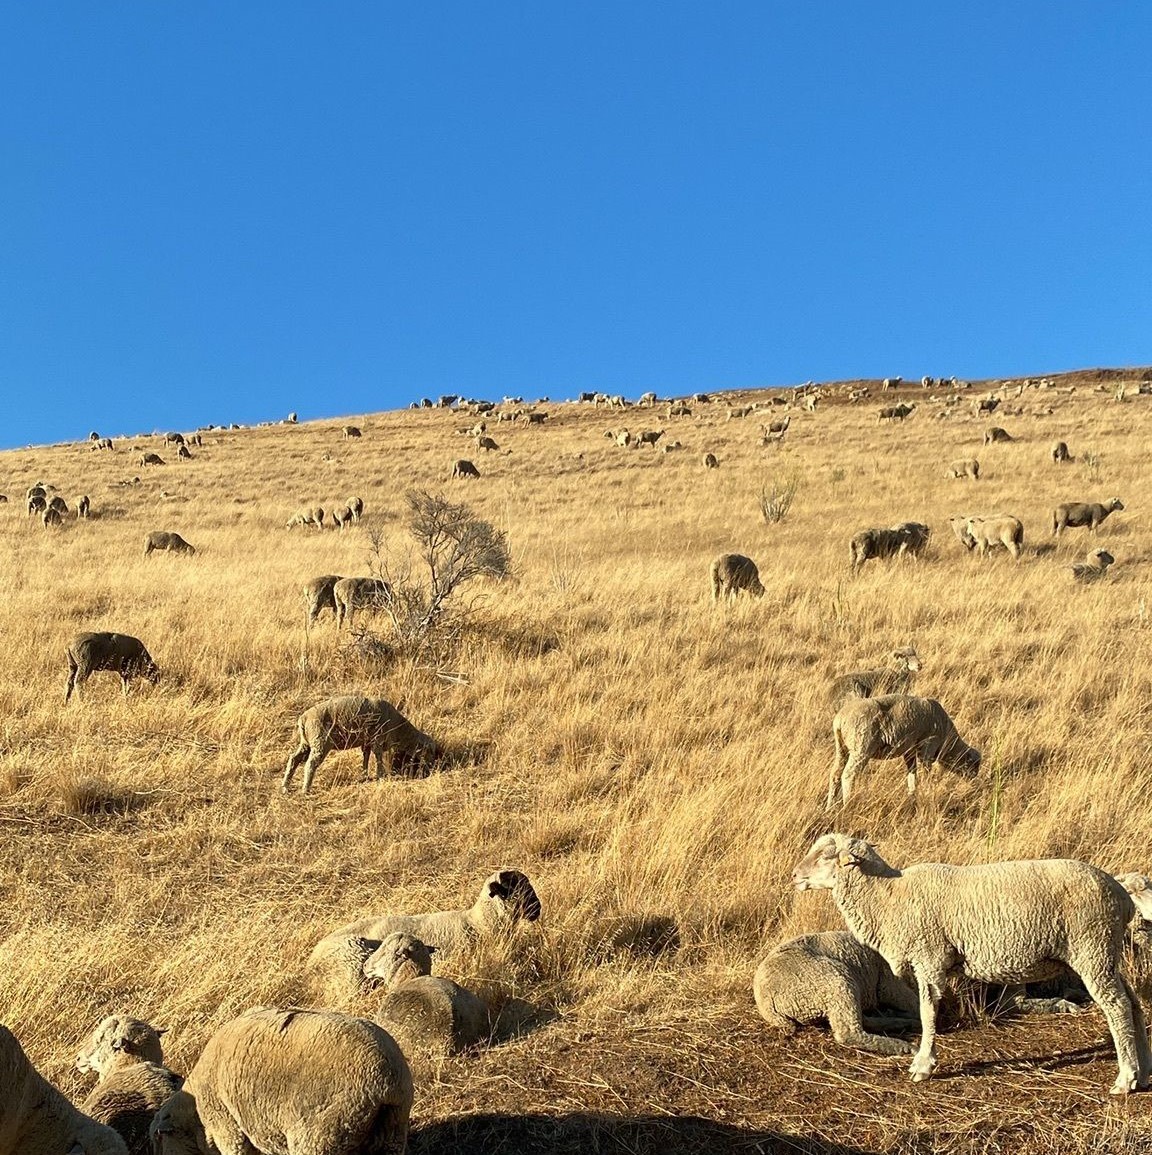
x=219 y=212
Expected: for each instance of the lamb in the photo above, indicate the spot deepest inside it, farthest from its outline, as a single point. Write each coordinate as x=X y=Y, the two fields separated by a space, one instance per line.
x=462 y=468
x=1080 y=513
x=424 y=1012
x=83 y=505
x=893 y=679
x=506 y=898
x=1060 y=453
x=991 y=532
x=832 y=976
x=183 y=453
x=151 y=459
x=35 y=1119
x=895 y=726
x=295 y=1081
x=133 y=1082
x=995 y=433
x=319 y=596
x=356 y=505
x=354 y=722
x=172 y=542
x=710 y=461
x=908 y=537
x=351 y=431
x=1004 y=922
x=313 y=516
x=968 y=467
x=733 y=572
x=107 y=651
x=1093 y=567
x=355 y=593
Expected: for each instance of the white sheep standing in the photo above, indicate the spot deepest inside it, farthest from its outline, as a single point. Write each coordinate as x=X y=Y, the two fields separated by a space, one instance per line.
x=1003 y=922
x=832 y=976
x=36 y=1119
x=506 y=898
x=284 y=1079
x=126 y=1056
x=423 y=1011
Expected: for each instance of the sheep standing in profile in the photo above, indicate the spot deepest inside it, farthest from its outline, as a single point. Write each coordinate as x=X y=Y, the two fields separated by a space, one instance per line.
x=313 y=516
x=1093 y=567
x=151 y=459
x=733 y=572
x=909 y=537
x=292 y=1081
x=1076 y=514
x=969 y=467
x=996 y=434
x=359 y=593
x=133 y=1083
x=1060 y=454
x=462 y=468
x=422 y=1011
x=895 y=726
x=998 y=922
x=831 y=976
x=173 y=438
x=35 y=1119
x=162 y=540
x=352 y=722
x=874 y=683
x=506 y=899
x=486 y=443
x=710 y=461
x=122 y=653
x=988 y=533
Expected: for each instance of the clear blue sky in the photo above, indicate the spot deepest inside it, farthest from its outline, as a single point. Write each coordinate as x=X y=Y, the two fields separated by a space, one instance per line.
x=224 y=211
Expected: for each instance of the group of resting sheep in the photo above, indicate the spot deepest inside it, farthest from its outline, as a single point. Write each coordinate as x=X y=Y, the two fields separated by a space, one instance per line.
x=280 y=1080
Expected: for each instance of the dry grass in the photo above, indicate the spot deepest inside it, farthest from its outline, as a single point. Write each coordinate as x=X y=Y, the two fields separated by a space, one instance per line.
x=642 y=755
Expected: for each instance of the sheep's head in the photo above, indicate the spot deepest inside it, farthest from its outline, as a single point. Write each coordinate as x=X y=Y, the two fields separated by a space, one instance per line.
x=961 y=759
x=508 y=896
x=907 y=658
x=398 y=958
x=1139 y=888
x=148 y=670
x=1115 y=504
x=1101 y=559
x=829 y=856
x=963 y=533
x=176 y=1128
x=118 y=1040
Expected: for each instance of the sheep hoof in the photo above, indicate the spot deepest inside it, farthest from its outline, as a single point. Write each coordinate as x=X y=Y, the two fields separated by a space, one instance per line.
x=1124 y=1086
x=921 y=1076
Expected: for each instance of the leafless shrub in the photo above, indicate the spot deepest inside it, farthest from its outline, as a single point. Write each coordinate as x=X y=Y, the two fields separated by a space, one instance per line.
x=776 y=498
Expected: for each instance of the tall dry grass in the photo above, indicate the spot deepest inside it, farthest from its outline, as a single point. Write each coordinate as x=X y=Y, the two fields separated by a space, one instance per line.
x=633 y=748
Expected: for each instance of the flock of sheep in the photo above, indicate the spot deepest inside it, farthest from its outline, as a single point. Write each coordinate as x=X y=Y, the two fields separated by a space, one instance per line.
x=324 y=1082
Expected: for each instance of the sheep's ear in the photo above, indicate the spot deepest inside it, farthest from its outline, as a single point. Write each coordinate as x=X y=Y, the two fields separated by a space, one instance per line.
x=433 y=949
x=846 y=858
x=161 y=1030
x=119 y=1044
x=496 y=890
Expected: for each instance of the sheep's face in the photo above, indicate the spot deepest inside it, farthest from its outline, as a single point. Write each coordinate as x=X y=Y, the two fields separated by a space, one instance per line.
x=829 y=857
x=509 y=896
x=1139 y=888
x=961 y=759
x=1115 y=504
x=118 y=1036
x=907 y=659
x=176 y=1128
x=397 y=959
x=150 y=671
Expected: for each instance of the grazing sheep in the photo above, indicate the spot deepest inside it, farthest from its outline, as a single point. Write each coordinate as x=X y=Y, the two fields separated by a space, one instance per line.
x=83 y=505
x=103 y=443
x=710 y=461
x=342 y=517
x=506 y=898
x=1060 y=453
x=733 y=572
x=895 y=413
x=892 y=382
x=895 y=726
x=38 y=490
x=183 y=453
x=987 y=405
x=648 y=399
x=894 y=679
x=1074 y=514
x=319 y=596
x=52 y=516
x=173 y=438
x=197 y=440
x=486 y=443
x=740 y=411
x=292 y=419
x=93 y=436
x=649 y=437
x=1001 y=922
x=172 y=542
x=927 y=382
x=314 y=516
x=294 y=1082
x=909 y=537
x=778 y=428
x=1093 y=567
x=356 y=593
x=535 y=418
x=35 y=1119
x=991 y=532
x=59 y=505
x=356 y=505
x=353 y=722
x=126 y=1057
x=995 y=433
x=151 y=459
x=680 y=410
x=464 y=468
x=831 y=976
x=969 y=467
x=423 y=1012
x=122 y=653
x=36 y=504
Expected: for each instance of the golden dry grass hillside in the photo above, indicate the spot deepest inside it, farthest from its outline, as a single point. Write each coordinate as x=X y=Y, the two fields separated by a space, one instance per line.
x=639 y=752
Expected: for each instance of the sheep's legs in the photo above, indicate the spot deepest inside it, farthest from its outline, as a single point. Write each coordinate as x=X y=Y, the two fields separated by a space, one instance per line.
x=849 y=1030
x=910 y=764
x=1143 y=1046
x=837 y=767
x=924 y=1060
x=299 y=754
x=1113 y=996
x=848 y=775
